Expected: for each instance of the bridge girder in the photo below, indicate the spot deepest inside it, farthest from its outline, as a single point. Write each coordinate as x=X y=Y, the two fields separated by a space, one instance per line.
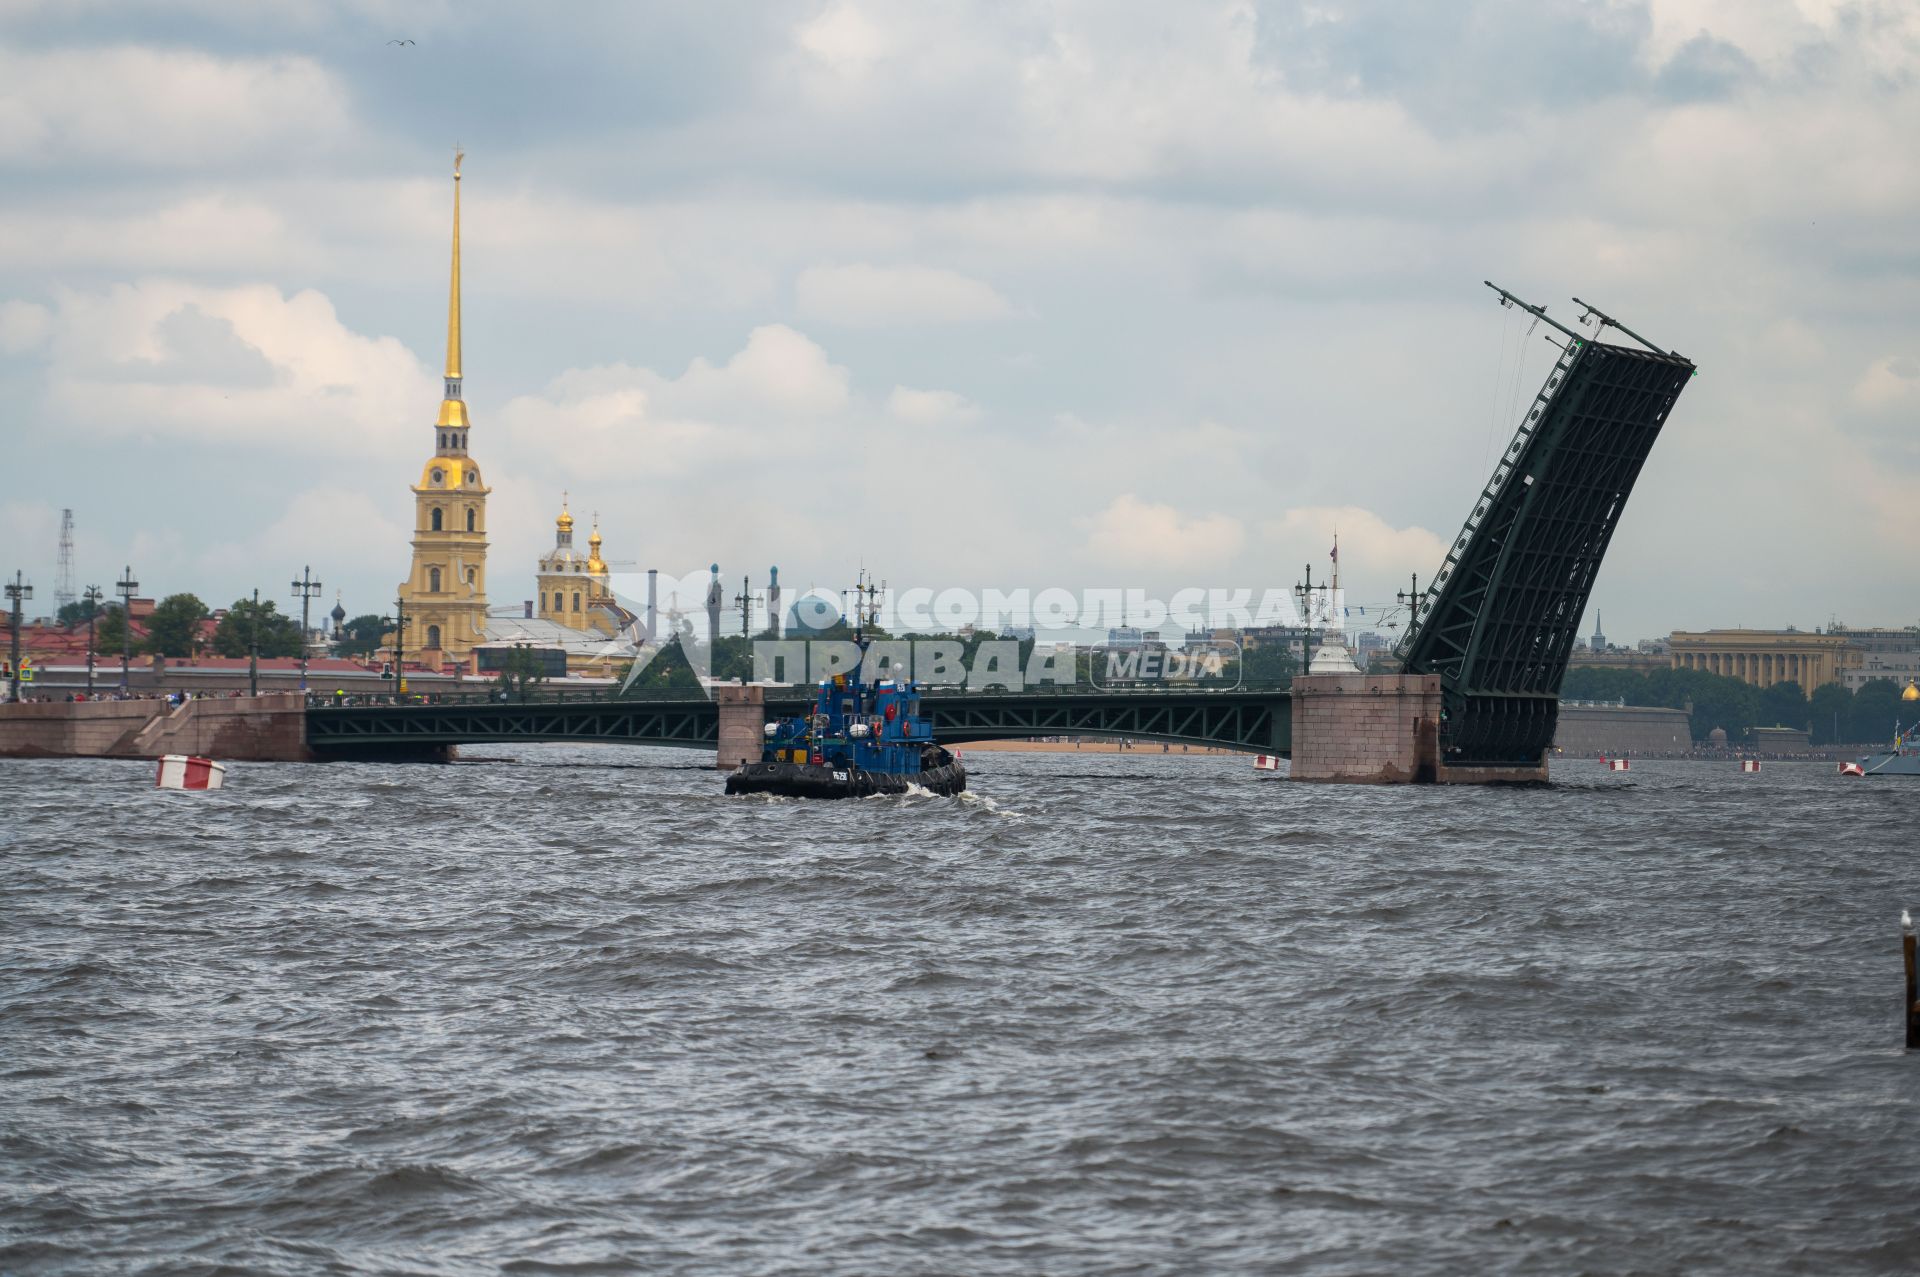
x=1251 y=721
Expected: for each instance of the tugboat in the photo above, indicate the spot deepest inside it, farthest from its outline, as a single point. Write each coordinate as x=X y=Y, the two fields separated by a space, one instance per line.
x=858 y=741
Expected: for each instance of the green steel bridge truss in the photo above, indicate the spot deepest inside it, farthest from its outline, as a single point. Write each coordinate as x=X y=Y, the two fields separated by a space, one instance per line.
x=1256 y=721
x=1499 y=620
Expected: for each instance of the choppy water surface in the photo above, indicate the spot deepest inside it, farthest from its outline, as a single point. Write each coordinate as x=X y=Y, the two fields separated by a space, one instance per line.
x=578 y=1012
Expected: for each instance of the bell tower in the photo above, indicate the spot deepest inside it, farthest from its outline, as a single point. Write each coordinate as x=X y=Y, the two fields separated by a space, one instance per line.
x=446 y=592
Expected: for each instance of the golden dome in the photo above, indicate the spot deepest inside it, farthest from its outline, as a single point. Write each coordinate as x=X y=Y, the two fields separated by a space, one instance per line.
x=450 y=474
x=1912 y=693
x=565 y=521
x=594 y=563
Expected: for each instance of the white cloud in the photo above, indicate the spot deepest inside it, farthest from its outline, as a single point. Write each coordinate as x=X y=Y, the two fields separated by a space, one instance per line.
x=23 y=326
x=157 y=107
x=634 y=420
x=323 y=527
x=1370 y=547
x=842 y=38
x=779 y=370
x=865 y=296
x=219 y=233
x=1141 y=534
x=245 y=365
x=931 y=407
x=1888 y=383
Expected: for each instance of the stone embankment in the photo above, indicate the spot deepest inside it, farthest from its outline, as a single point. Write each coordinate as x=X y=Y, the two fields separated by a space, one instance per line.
x=247 y=728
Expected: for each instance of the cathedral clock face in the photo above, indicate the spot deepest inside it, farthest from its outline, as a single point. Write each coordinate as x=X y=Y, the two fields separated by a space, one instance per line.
x=439 y=476
x=472 y=478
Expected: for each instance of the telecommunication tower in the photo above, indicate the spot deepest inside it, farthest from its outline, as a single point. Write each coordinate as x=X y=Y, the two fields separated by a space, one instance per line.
x=63 y=594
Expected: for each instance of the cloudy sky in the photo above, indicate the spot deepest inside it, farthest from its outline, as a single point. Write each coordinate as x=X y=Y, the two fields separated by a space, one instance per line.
x=1083 y=294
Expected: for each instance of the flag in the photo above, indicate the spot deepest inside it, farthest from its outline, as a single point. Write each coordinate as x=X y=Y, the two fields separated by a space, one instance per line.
x=1334 y=553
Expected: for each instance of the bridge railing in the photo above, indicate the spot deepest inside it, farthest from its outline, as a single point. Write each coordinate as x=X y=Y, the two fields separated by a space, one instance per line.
x=775 y=692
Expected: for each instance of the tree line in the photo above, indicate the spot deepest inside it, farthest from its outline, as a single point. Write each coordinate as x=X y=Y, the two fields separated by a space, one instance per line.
x=1833 y=714
x=174 y=628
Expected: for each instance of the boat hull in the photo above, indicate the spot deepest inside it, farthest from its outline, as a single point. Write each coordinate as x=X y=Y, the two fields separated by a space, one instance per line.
x=1905 y=763
x=808 y=780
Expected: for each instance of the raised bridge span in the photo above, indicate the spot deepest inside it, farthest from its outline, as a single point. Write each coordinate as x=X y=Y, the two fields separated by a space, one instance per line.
x=1500 y=618
x=1253 y=720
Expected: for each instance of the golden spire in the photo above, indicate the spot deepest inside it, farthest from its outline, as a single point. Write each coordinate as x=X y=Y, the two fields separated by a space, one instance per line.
x=453 y=290
x=594 y=562
x=453 y=411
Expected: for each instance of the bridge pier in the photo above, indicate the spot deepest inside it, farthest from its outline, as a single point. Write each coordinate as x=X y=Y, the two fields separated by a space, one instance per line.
x=743 y=724
x=1380 y=729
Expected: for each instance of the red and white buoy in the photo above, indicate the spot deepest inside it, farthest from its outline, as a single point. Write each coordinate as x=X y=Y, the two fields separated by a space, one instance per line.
x=1619 y=765
x=1749 y=764
x=1852 y=769
x=189 y=771
x=1266 y=763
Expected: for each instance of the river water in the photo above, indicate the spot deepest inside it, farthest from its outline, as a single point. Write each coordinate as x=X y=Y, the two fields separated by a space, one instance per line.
x=572 y=1011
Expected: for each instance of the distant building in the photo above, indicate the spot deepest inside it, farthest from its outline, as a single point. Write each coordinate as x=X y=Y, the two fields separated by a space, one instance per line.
x=1879 y=653
x=1761 y=658
x=1618 y=658
x=1298 y=640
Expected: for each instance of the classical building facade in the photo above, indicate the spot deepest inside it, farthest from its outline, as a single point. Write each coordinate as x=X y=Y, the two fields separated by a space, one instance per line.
x=445 y=593
x=1761 y=657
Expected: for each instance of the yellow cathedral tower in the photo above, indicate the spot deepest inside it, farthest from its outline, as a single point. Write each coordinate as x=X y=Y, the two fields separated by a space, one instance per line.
x=445 y=595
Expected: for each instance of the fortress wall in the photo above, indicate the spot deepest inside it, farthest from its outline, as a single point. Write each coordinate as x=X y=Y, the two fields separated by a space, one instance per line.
x=1621 y=729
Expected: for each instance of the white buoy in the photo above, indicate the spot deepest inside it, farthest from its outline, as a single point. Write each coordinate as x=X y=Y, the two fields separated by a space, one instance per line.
x=189 y=771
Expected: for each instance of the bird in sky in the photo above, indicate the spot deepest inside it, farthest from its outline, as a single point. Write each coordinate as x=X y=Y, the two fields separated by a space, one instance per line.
x=399 y=42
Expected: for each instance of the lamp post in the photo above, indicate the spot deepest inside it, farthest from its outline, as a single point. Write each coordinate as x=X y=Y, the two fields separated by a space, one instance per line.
x=92 y=597
x=126 y=587
x=253 y=647
x=400 y=646
x=17 y=589
x=1411 y=598
x=304 y=589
